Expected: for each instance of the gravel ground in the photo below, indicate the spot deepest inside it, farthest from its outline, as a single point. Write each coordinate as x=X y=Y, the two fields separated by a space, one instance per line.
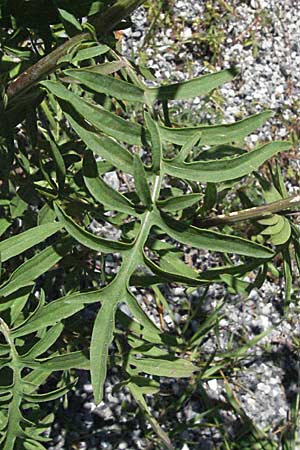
x=268 y=380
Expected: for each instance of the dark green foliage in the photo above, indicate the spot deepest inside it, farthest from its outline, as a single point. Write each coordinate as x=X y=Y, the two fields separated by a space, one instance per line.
x=59 y=138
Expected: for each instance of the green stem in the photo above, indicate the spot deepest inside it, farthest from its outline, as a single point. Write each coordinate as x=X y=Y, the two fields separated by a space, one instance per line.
x=43 y=67
x=134 y=256
x=104 y=23
x=250 y=213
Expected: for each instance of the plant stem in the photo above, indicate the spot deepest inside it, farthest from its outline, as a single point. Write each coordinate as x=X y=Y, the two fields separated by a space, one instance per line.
x=249 y=213
x=103 y=23
x=43 y=67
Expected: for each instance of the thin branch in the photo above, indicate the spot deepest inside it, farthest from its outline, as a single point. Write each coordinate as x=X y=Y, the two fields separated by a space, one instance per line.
x=250 y=213
x=104 y=23
x=43 y=67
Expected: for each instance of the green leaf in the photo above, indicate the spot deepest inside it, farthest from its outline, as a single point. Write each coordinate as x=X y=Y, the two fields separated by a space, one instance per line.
x=46 y=215
x=171 y=367
x=16 y=301
x=107 y=85
x=101 y=191
x=4 y=350
x=269 y=191
x=259 y=278
x=220 y=151
x=73 y=360
x=17 y=207
x=280 y=181
x=48 y=396
x=137 y=393
x=210 y=198
x=241 y=351
x=86 y=238
x=211 y=240
x=210 y=322
x=172 y=261
x=188 y=147
x=58 y=160
x=235 y=285
x=288 y=274
x=101 y=339
x=17 y=244
x=33 y=445
x=38 y=305
x=270 y=220
x=48 y=339
x=36 y=266
x=169 y=273
x=156 y=146
x=56 y=311
x=4 y=225
x=283 y=235
x=103 y=120
x=148 y=329
x=86 y=53
x=225 y=169
x=34 y=379
x=147 y=385
x=276 y=228
x=216 y=134
x=180 y=202
x=107 y=67
x=140 y=180
x=105 y=147
x=71 y=24
x=193 y=88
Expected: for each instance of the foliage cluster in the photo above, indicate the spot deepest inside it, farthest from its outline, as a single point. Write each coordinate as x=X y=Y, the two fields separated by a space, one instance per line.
x=69 y=117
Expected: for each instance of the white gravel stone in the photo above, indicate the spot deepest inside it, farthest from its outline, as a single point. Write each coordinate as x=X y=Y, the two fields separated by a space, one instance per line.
x=213 y=384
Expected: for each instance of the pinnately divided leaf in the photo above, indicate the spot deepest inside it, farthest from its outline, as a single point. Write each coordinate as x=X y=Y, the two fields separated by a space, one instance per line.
x=17 y=244
x=169 y=367
x=216 y=134
x=192 y=88
x=107 y=85
x=100 y=190
x=83 y=110
x=149 y=329
x=225 y=169
x=126 y=91
x=211 y=240
x=140 y=180
x=86 y=238
x=56 y=311
x=101 y=340
x=104 y=147
x=85 y=53
x=180 y=202
x=73 y=360
x=283 y=235
x=156 y=145
x=276 y=228
x=137 y=393
x=35 y=266
x=103 y=120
